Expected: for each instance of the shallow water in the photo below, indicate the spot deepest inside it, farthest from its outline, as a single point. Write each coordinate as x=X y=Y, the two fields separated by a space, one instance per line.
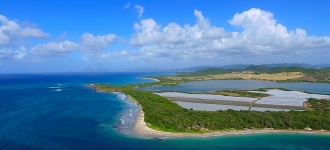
x=210 y=85
x=35 y=114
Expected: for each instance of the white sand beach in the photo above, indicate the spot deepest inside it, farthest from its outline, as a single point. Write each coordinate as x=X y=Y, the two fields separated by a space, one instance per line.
x=142 y=129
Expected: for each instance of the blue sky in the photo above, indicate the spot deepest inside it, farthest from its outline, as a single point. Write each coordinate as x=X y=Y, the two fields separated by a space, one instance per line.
x=61 y=36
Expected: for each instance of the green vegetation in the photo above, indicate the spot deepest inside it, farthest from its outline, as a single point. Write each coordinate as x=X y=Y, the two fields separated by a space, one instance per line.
x=266 y=89
x=265 y=69
x=165 y=115
x=164 y=81
x=238 y=93
x=319 y=105
x=311 y=74
x=209 y=71
x=320 y=75
x=327 y=70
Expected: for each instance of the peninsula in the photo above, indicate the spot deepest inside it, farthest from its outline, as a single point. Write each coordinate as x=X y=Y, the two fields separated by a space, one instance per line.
x=162 y=117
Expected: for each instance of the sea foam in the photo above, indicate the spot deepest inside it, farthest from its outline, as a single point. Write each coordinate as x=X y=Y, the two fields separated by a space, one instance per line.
x=127 y=118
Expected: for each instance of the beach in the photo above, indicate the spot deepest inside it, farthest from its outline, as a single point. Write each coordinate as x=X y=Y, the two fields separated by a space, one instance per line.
x=156 y=80
x=141 y=128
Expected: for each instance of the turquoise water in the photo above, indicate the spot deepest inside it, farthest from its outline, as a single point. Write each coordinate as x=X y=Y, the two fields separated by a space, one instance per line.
x=56 y=111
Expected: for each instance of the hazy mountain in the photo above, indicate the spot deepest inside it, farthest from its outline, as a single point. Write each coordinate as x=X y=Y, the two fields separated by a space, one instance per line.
x=193 y=69
x=243 y=66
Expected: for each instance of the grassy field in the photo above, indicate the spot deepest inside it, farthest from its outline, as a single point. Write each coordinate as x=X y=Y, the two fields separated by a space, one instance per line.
x=278 y=74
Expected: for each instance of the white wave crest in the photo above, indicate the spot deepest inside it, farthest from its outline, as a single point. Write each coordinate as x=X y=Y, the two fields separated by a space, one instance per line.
x=54 y=87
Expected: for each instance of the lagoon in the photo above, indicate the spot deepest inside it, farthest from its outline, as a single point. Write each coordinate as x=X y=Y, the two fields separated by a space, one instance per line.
x=211 y=85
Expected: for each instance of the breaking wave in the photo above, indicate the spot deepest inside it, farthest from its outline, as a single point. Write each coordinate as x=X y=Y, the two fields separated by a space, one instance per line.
x=128 y=117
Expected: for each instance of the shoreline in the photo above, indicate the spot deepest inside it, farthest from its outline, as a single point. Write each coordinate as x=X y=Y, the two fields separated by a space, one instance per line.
x=156 y=80
x=141 y=128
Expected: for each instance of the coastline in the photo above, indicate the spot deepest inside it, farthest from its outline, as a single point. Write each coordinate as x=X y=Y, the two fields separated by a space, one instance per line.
x=156 y=80
x=141 y=128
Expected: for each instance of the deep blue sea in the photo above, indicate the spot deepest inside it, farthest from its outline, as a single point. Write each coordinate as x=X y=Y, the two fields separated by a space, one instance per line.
x=58 y=112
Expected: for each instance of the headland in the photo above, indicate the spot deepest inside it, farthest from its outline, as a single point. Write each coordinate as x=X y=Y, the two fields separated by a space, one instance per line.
x=162 y=117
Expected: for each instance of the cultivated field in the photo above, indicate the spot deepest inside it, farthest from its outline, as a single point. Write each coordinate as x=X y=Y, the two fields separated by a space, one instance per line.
x=246 y=76
x=264 y=76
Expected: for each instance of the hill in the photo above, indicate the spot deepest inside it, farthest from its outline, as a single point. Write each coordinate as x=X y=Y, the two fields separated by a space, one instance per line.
x=261 y=72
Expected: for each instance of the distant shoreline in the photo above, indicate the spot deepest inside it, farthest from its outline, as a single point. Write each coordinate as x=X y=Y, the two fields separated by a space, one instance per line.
x=149 y=79
x=141 y=128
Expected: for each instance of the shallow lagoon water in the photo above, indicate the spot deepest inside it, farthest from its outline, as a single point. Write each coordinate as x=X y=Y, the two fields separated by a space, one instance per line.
x=35 y=116
x=289 y=98
x=210 y=85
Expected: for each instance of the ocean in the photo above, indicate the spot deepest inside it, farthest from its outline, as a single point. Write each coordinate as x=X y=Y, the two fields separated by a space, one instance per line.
x=57 y=111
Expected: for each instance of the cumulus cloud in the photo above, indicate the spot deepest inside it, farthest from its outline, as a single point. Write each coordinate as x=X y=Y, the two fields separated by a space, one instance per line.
x=140 y=10
x=20 y=54
x=261 y=38
x=179 y=42
x=261 y=35
x=6 y=53
x=11 y=30
x=93 y=45
x=55 y=49
x=148 y=31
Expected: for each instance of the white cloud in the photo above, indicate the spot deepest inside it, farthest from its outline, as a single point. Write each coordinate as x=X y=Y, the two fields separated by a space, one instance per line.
x=93 y=45
x=20 y=54
x=147 y=32
x=140 y=10
x=127 y=5
x=11 y=30
x=261 y=36
x=54 y=49
x=178 y=42
x=6 y=53
x=123 y=53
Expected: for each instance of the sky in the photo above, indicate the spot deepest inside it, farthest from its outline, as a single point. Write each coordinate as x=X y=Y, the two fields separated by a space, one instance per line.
x=69 y=36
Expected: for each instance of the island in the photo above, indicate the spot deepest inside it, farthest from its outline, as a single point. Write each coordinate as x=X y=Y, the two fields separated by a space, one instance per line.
x=162 y=115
